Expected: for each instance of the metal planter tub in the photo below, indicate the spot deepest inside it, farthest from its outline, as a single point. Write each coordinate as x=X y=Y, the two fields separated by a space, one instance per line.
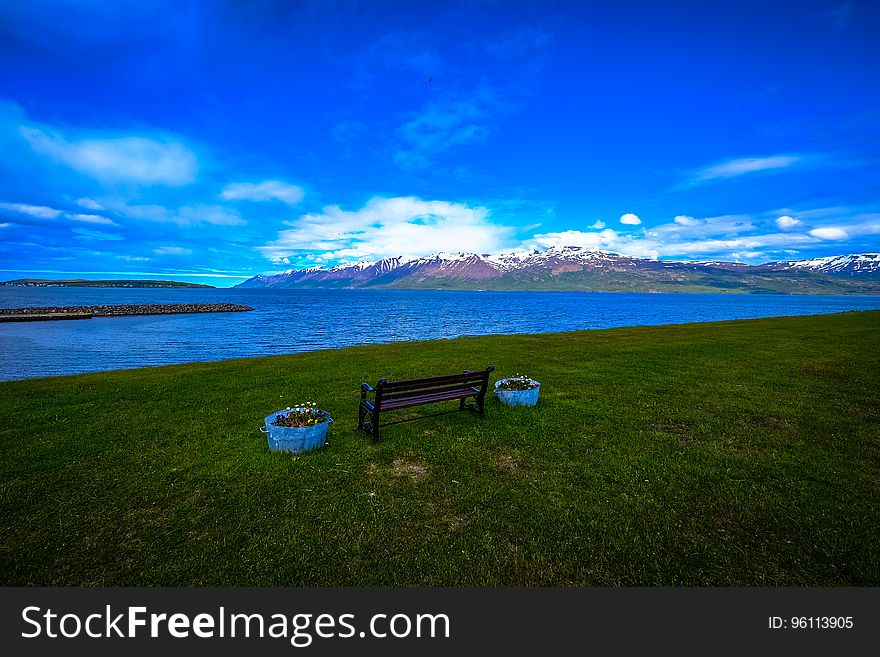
x=295 y=439
x=527 y=397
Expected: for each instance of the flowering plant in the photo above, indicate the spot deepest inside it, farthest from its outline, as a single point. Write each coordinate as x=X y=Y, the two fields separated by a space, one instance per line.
x=301 y=415
x=517 y=382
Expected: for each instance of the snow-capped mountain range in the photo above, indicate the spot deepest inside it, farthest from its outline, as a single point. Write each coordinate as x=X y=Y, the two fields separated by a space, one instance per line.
x=578 y=268
x=855 y=264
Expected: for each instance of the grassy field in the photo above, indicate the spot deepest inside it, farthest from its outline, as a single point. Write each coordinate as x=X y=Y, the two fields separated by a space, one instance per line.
x=732 y=453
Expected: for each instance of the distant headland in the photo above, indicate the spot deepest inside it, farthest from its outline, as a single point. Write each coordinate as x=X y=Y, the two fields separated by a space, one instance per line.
x=76 y=282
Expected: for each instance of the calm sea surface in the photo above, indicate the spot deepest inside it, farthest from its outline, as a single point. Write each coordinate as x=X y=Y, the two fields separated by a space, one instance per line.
x=287 y=321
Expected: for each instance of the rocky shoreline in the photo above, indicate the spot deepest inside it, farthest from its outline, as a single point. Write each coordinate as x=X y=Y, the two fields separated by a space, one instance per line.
x=87 y=312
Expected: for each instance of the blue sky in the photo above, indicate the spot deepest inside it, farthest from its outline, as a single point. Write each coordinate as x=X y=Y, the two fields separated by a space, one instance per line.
x=211 y=141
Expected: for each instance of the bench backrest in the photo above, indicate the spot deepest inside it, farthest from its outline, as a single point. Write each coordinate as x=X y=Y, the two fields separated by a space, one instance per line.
x=450 y=382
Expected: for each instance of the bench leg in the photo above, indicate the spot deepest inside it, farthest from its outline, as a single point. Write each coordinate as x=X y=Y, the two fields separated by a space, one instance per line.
x=371 y=426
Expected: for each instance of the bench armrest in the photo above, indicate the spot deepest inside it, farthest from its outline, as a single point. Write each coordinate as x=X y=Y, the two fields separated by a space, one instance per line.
x=366 y=387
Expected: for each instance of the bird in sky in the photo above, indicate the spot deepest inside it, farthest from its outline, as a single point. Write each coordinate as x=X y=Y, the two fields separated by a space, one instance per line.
x=430 y=77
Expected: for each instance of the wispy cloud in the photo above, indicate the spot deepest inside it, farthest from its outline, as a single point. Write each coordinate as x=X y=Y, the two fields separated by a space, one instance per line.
x=88 y=235
x=131 y=159
x=91 y=219
x=45 y=212
x=524 y=41
x=268 y=190
x=694 y=228
x=187 y=215
x=38 y=211
x=387 y=227
x=743 y=166
x=443 y=125
x=89 y=204
x=172 y=250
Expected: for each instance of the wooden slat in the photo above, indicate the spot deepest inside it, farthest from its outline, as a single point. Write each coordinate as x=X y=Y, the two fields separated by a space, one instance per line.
x=435 y=394
x=415 y=392
x=464 y=377
x=391 y=404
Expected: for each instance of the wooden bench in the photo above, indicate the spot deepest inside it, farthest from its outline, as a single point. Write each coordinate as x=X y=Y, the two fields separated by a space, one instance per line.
x=395 y=395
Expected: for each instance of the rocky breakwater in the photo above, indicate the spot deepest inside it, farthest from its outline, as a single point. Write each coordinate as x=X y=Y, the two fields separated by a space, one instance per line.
x=87 y=312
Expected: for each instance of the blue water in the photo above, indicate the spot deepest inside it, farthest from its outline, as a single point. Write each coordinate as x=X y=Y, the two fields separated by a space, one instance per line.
x=287 y=321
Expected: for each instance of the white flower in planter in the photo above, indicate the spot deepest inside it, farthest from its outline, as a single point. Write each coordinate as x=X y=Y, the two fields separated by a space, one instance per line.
x=518 y=390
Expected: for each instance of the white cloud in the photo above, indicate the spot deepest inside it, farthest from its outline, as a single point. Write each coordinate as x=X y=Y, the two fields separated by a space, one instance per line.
x=128 y=258
x=605 y=240
x=749 y=255
x=5 y=225
x=187 y=215
x=209 y=214
x=816 y=214
x=91 y=219
x=630 y=219
x=88 y=235
x=411 y=227
x=120 y=159
x=89 y=204
x=786 y=223
x=388 y=227
x=829 y=233
x=725 y=225
x=172 y=250
x=742 y=243
x=745 y=165
x=730 y=237
x=268 y=190
x=39 y=211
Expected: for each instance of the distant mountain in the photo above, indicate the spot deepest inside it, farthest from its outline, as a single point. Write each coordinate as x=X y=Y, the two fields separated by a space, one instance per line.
x=861 y=265
x=41 y=282
x=573 y=268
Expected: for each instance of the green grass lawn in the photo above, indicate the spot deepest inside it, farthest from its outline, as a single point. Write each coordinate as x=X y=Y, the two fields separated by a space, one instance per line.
x=731 y=453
